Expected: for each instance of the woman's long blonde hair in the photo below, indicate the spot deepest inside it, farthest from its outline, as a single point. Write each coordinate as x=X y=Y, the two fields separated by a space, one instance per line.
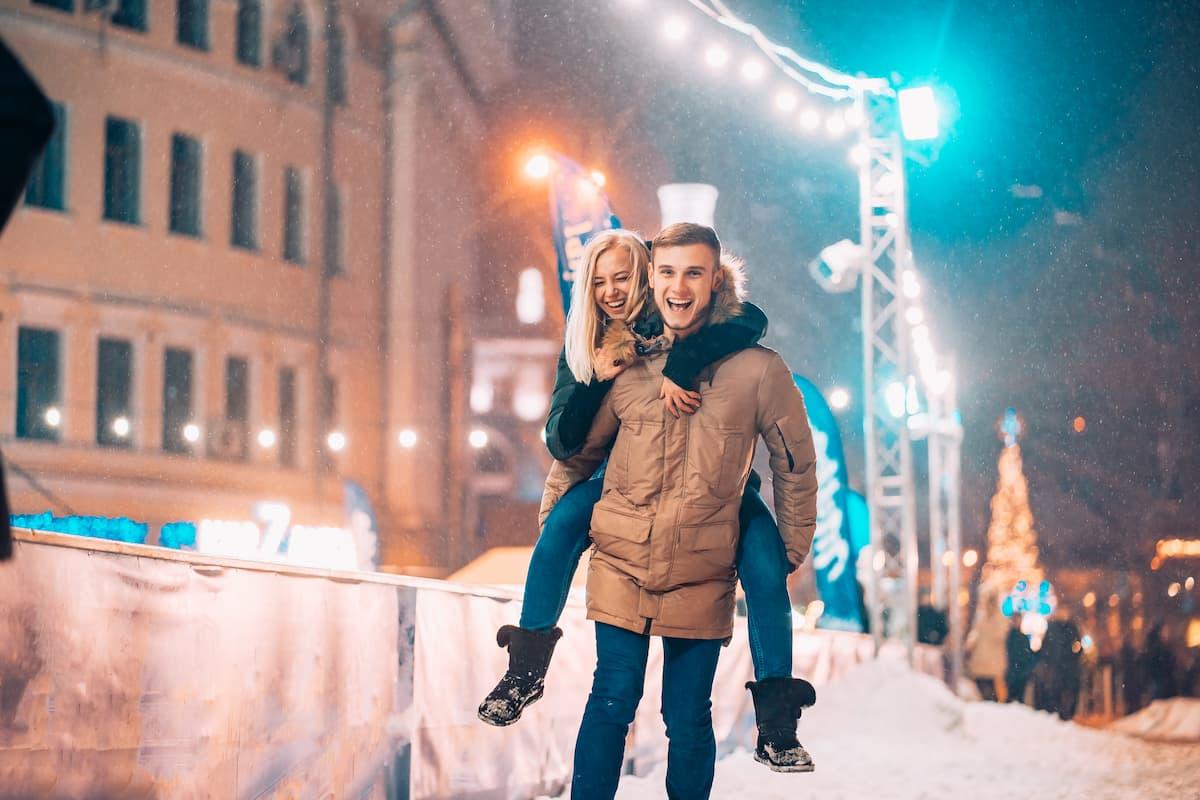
x=584 y=321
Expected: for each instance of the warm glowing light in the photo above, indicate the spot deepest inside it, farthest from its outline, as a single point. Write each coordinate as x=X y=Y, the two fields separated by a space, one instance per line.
x=753 y=70
x=1178 y=548
x=1114 y=600
x=1173 y=589
x=1089 y=600
x=478 y=439
x=1190 y=583
x=598 y=178
x=915 y=315
x=53 y=417
x=407 y=438
x=948 y=558
x=266 y=438
x=538 y=166
x=336 y=441
x=1079 y=424
x=970 y=558
x=191 y=432
x=786 y=101
x=120 y=426
x=839 y=399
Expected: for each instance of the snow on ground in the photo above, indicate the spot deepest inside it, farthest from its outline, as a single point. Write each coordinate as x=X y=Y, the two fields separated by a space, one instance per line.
x=885 y=733
x=1174 y=720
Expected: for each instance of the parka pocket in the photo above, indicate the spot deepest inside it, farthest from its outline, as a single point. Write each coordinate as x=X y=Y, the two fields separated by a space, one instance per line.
x=639 y=453
x=706 y=552
x=622 y=536
x=715 y=461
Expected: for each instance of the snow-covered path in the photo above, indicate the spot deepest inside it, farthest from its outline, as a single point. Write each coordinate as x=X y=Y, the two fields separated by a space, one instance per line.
x=885 y=733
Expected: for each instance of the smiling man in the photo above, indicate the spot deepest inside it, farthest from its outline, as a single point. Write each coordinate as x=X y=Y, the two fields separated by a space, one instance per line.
x=666 y=528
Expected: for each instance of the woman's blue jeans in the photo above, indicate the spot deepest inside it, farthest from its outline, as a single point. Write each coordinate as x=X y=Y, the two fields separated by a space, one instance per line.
x=761 y=563
x=688 y=669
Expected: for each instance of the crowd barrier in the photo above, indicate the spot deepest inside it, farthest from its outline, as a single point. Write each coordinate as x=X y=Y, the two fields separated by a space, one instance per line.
x=129 y=671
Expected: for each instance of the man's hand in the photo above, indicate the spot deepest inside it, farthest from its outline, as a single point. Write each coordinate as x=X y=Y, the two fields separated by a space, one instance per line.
x=607 y=366
x=676 y=399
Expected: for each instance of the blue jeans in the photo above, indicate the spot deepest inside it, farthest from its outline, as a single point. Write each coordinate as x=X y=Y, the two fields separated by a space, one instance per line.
x=688 y=669
x=761 y=562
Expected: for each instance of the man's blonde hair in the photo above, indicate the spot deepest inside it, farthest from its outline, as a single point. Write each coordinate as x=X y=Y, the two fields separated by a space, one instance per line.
x=584 y=326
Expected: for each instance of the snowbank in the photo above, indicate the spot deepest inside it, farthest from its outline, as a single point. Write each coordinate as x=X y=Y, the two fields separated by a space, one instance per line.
x=1174 y=720
x=886 y=733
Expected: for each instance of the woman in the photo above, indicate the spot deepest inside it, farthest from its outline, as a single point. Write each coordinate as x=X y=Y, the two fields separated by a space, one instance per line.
x=609 y=322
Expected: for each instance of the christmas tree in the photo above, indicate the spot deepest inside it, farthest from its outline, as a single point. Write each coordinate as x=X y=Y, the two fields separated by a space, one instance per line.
x=1012 y=554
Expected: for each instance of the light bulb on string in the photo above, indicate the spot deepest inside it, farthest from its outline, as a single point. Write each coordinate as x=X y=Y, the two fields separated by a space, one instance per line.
x=785 y=101
x=675 y=29
x=753 y=70
x=716 y=56
x=810 y=119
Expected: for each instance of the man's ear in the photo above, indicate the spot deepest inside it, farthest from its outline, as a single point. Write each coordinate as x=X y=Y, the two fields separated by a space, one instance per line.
x=718 y=277
x=650 y=276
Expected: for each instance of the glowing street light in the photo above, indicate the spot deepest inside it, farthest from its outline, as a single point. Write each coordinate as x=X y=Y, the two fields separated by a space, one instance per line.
x=191 y=432
x=918 y=113
x=336 y=441
x=839 y=399
x=266 y=438
x=810 y=120
x=120 y=426
x=598 y=178
x=915 y=315
x=970 y=558
x=407 y=438
x=53 y=417
x=835 y=126
x=478 y=439
x=786 y=101
x=538 y=166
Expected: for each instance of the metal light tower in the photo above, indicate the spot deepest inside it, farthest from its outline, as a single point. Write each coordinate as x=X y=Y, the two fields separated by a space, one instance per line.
x=886 y=255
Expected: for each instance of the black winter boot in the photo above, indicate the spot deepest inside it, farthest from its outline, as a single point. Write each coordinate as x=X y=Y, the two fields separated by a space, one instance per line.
x=529 y=655
x=777 y=706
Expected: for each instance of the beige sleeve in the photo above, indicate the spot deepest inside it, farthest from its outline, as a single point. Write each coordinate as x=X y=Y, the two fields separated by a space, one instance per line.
x=783 y=423
x=566 y=474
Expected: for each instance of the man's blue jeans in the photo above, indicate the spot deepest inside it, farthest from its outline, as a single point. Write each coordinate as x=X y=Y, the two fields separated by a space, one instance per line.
x=761 y=563
x=688 y=669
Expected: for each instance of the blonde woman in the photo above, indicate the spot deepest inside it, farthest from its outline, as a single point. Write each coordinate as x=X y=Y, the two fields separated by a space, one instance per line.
x=611 y=322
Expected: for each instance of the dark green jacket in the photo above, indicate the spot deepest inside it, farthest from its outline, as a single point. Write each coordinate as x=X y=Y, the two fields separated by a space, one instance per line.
x=574 y=405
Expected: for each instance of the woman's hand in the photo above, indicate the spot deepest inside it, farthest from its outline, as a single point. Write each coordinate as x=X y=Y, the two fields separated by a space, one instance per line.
x=606 y=366
x=676 y=399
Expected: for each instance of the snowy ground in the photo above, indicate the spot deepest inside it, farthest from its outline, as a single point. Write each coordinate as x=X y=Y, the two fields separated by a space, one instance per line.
x=885 y=733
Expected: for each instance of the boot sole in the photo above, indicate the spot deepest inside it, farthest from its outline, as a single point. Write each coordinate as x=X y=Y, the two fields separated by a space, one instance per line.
x=496 y=723
x=777 y=768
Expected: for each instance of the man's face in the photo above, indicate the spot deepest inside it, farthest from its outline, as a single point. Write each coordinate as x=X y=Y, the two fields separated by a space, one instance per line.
x=683 y=279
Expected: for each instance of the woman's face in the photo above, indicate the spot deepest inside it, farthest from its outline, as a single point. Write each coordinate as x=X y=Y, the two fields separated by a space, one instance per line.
x=610 y=283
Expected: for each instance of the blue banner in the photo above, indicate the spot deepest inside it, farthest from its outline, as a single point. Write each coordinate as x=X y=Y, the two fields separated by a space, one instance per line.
x=833 y=554
x=579 y=210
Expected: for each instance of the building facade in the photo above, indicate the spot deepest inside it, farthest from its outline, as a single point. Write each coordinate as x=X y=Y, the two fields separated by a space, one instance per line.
x=237 y=276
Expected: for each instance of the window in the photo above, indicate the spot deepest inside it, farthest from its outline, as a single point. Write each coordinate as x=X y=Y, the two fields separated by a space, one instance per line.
x=122 y=171
x=237 y=408
x=191 y=23
x=180 y=432
x=61 y=5
x=114 y=373
x=327 y=414
x=245 y=201
x=287 y=416
x=129 y=14
x=293 y=216
x=290 y=52
x=47 y=183
x=337 y=64
x=185 y=185
x=334 y=234
x=249 y=33
x=39 y=408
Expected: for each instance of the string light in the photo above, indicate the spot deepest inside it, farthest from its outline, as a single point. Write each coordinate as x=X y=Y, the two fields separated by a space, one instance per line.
x=810 y=120
x=785 y=101
x=753 y=70
x=716 y=56
x=835 y=126
x=675 y=30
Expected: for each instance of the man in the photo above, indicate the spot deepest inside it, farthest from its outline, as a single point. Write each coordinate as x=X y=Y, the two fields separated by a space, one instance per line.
x=666 y=527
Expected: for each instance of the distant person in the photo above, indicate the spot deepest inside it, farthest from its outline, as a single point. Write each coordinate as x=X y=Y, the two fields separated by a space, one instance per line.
x=1158 y=666
x=1058 y=673
x=1130 y=662
x=26 y=123
x=1021 y=660
x=986 y=659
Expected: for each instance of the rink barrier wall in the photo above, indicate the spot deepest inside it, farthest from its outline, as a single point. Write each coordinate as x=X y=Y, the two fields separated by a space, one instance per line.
x=138 y=672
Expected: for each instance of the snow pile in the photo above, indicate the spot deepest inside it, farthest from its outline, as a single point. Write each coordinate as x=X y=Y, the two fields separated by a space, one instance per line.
x=886 y=733
x=1174 y=720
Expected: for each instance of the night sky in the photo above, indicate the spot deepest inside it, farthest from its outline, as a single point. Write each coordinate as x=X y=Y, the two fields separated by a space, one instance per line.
x=1078 y=301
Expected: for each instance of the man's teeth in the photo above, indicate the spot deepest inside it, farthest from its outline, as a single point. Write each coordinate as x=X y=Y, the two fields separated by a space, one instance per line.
x=679 y=306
